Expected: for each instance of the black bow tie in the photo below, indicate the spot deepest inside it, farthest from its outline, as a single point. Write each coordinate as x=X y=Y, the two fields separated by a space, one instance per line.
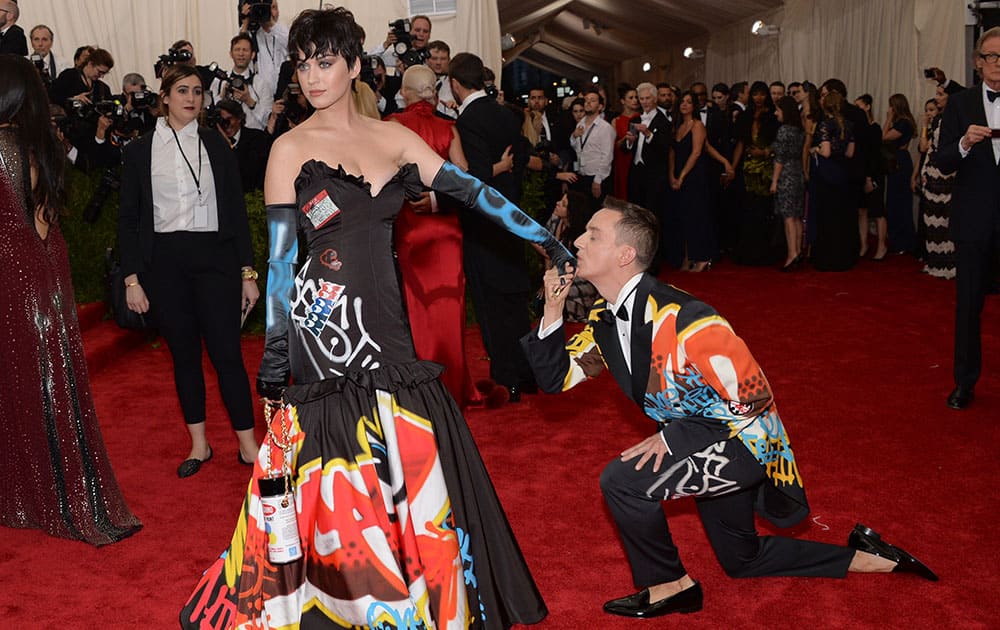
x=990 y=94
x=608 y=318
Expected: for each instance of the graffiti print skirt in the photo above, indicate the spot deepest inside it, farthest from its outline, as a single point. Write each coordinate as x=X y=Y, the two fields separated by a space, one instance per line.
x=399 y=522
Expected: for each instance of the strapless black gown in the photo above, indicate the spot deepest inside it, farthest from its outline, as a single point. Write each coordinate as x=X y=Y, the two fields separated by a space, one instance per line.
x=400 y=524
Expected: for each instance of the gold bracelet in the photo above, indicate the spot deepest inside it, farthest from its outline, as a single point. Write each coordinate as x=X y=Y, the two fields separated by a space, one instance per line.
x=249 y=274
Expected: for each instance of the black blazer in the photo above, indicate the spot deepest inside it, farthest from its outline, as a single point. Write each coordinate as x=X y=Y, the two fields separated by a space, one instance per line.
x=70 y=83
x=135 y=215
x=487 y=128
x=251 y=154
x=14 y=42
x=976 y=195
x=655 y=150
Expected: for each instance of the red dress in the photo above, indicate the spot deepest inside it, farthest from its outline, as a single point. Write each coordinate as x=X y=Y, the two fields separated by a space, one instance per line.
x=623 y=159
x=429 y=247
x=57 y=476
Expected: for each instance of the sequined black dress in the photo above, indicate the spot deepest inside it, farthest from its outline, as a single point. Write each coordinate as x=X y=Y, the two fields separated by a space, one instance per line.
x=399 y=523
x=56 y=476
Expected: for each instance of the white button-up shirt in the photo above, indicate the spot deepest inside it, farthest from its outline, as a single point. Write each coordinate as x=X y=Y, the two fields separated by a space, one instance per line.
x=177 y=204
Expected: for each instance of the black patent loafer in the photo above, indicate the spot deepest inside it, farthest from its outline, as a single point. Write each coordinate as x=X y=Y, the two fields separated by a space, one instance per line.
x=637 y=605
x=961 y=397
x=866 y=539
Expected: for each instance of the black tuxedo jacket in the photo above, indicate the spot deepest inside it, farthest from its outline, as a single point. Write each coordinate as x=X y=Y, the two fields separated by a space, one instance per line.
x=487 y=128
x=14 y=42
x=655 y=150
x=976 y=195
x=251 y=155
x=135 y=215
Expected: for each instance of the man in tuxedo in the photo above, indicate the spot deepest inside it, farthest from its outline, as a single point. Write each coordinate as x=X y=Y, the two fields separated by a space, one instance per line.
x=438 y=62
x=12 y=39
x=648 y=139
x=494 y=260
x=719 y=438
x=970 y=146
x=666 y=100
x=41 y=45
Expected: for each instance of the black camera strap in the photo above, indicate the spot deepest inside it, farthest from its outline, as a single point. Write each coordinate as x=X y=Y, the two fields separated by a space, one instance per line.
x=196 y=178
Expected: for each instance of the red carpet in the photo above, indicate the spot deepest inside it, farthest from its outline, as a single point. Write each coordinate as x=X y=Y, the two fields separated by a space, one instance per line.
x=860 y=363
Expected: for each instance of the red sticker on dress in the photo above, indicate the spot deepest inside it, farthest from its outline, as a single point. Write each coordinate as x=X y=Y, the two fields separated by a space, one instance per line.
x=320 y=209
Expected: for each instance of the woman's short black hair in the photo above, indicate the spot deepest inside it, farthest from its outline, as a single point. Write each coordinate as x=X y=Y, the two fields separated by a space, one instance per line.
x=326 y=32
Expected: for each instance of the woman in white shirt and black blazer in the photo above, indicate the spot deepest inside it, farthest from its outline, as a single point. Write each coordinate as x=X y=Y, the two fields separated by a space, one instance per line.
x=186 y=255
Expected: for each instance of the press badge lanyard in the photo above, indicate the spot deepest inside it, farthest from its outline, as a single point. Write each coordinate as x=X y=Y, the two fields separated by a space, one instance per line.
x=196 y=178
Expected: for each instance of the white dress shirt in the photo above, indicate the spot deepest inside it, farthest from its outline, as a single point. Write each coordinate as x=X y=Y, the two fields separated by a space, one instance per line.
x=179 y=204
x=646 y=119
x=992 y=121
x=272 y=50
x=475 y=96
x=53 y=65
x=445 y=96
x=595 y=148
x=626 y=298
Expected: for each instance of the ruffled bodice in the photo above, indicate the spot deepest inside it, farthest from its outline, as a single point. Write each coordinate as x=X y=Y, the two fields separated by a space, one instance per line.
x=346 y=309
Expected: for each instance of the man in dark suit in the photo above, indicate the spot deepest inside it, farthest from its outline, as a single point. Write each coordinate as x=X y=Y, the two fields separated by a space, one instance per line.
x=251 y=146
x=12 y=39
x=970 y=146
x=494 y=261
x=719 y=438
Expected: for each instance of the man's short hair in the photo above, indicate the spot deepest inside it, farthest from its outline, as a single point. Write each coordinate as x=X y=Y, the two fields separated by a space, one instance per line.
x=438 y=44
x=738 y=87
x=778 y=83
x=721 y=88
x=232 y=108
x=421 y=17
x=133 y=78
x=636 y=228
x=101 y=57
x=594 y=90
x=794 y=84
x=241 y=37
x=835 y=85
x=662 y=84
x=646 y=86
x=181 y=43
x=467 y=69
x=52 y=35
x=988 y=34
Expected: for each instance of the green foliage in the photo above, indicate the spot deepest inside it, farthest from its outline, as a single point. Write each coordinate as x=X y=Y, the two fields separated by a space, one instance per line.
x=88 y=242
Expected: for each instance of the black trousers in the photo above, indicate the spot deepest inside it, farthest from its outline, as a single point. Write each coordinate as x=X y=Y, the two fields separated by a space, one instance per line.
x=584 y=185
x=974 y=274
x=194 y=290
x=724 y=479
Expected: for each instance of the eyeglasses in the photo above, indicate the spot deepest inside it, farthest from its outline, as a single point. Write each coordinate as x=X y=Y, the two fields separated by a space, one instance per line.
x=101 y=72
x=990 y=57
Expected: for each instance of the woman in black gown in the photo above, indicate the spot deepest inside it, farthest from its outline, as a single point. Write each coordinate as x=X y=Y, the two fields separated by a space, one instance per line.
x=756 y=129
x=836 y=245
x=399 y=524
x=689 y=178
x=897 y=133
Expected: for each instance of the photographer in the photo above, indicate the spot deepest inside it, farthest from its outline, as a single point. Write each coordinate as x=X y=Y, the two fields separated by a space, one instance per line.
x=259 y=18
x=288 y=111
x=84 y=84
x=41 y=45
x=182 y=51
x=440 y=57
x=250 y=145
x=238 y=85
x=414 y=34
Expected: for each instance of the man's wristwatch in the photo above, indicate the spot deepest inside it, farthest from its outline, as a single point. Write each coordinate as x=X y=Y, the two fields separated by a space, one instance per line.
x=249 y=273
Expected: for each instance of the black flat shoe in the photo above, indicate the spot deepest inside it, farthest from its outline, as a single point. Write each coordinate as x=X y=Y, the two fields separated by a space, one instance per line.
x=637 y=605
x=868 y=540
x=191 y=466
x=239 y=456
x=961 y=397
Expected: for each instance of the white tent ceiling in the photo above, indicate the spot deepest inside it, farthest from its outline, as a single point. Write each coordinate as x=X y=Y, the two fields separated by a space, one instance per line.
x=551 y=33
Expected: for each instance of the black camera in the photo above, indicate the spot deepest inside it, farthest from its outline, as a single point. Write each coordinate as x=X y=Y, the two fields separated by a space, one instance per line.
x=174 y=55
x=492 y=91
x=39 y=62
x=258 y=13
x=232 y=80
x=368 y=65
x=213 y=117
x=403 y=47
x=144 y=99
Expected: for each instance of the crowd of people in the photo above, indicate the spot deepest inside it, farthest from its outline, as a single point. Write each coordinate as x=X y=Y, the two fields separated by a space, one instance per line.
x=364 y=372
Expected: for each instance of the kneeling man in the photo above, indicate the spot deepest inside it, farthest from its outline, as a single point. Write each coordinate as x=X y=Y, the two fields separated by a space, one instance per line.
x=719 y=438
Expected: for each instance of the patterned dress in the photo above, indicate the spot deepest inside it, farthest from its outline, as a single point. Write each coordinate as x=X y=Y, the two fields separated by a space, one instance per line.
x=399 y=523
x=935 y=211
x=789 y=201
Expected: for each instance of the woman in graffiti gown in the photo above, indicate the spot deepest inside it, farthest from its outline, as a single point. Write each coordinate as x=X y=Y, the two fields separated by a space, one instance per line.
x=399 y=524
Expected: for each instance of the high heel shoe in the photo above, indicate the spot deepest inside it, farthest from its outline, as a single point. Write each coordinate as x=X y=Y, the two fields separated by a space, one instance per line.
x=865 y=539
x=698 y=267
x=792 y=264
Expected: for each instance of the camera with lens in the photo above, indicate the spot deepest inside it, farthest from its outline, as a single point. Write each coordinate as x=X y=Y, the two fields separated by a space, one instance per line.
x=144 y=100
x=258 y=13
x=174 y=55
x=368 y=65
x=232 y=80
x=39 y=62
x=403 y=47
x=492 y=91
x=213 y=116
